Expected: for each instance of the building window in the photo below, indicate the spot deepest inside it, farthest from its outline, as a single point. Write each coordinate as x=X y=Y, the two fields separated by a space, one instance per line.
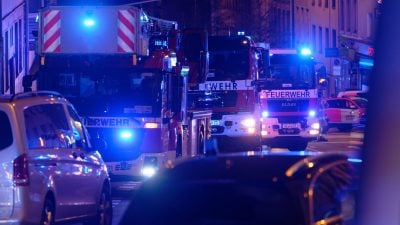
x=326 y=38
x=314 y=38
x=341 y=16
x=333 y=4
x=11 y=36
x=354 y=9
x=320 y=40
x=7 y=80
x=319 y=3
x=313 y=2
x=348 y=16
x=326 y=3
x=20 y=52
x=369 y=24
x=17 y=46
x=334 y=38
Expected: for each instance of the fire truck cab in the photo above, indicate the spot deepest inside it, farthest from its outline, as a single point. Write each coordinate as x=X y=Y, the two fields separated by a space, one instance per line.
x=288 y=99
x=119 y=67
x=227 y=89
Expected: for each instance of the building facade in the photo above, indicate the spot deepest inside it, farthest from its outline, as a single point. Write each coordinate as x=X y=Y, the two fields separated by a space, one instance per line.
x=341 y=34
x=14 y=45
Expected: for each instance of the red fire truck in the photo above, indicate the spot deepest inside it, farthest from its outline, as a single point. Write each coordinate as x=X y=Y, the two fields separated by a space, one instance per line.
x=118 y=66
x=227 y=90
x=288 y=98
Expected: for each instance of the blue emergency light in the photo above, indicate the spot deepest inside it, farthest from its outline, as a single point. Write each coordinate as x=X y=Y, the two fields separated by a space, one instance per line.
x=126 y=135
x=89 y=22
x=305 y=51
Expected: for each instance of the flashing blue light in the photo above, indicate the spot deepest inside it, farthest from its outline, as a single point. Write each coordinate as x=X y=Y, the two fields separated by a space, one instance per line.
x=89 y=22
x=312 y=113
x=354 y=160
x=366 y=62
x=265 y=114
x=126 y=135
x=305 y=51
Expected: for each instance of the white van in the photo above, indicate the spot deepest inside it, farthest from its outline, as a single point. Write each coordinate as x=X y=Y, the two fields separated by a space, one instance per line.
x=49 y=171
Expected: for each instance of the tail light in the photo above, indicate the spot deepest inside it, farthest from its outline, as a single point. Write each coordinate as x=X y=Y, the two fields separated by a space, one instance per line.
x=21 y=173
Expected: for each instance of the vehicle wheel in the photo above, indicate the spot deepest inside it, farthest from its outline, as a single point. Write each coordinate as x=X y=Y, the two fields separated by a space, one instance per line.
x=298 y=146
x=48 y=212
x=104 y=210
x=345 y=127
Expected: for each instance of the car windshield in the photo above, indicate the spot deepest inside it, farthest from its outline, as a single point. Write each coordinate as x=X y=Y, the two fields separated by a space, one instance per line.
x=361 y=102
x=287 y=71
x=115 y=91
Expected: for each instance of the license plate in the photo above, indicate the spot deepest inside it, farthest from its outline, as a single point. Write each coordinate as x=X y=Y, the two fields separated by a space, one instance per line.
x=349 y=117
x=289 y=125
x=215 y=122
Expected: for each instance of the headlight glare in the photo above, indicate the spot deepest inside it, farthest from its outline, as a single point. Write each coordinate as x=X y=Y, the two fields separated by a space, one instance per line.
x=265 y=114
x=148 y=171
x=249 y=122
x=315 y=126
x=312 y=113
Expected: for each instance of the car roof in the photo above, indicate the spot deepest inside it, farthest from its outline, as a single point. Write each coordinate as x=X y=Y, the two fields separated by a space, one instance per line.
x=337 y=98
x=30 y=95
x=254 y=165
x=210 y=189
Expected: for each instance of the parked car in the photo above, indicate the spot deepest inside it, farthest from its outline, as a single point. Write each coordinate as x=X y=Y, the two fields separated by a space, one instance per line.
x=353 y=93
x=50 y=171
x=250 y=188
x=362 y=104
x=342 y=113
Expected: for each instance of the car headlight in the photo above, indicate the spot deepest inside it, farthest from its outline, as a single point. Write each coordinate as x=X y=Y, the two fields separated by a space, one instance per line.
x=315 y=126
x=249 y=122
x=149 y=171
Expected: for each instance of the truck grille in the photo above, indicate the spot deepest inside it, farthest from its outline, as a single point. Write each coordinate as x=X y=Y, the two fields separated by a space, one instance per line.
x=301 y=105
x=289 y=131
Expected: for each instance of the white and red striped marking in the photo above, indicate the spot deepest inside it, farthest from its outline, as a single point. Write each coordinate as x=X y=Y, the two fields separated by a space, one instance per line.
x=126 y=30
x=51 y=37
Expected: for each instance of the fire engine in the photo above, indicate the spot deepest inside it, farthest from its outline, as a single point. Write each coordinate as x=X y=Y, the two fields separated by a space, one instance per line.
x=118 y=66
x=227 y=90
x=288 y=99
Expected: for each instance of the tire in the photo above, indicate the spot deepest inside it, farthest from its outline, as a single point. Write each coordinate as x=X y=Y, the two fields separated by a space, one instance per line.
x=104 y=211
x=345 y=127
x=298 y=146
x=48 y=212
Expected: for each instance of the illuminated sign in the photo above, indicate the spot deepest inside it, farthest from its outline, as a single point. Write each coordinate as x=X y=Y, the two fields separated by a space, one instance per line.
x=226 y=85
x=111 y=122
x=279 y=94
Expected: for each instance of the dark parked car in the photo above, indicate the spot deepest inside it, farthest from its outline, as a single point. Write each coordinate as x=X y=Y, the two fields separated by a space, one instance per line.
x=250 y=188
